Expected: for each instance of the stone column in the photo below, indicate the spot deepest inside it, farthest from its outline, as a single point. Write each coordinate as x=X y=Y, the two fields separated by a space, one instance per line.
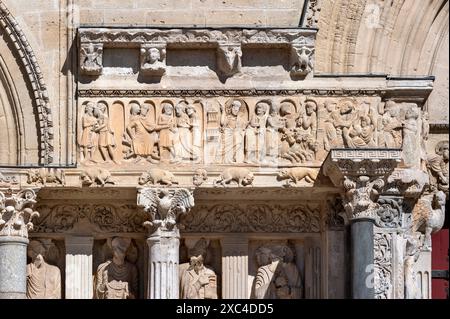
x=79 y=277
x=361 y=174
x=164 y=207
x=16 y=214
x=234 y=268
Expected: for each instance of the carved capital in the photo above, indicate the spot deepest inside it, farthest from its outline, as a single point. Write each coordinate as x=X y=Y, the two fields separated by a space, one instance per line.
x=164 y=207
x=153 y=59
x=361 y=174
x=91 y=58
x=16 y=212
x=229 y=58
x=407 y=182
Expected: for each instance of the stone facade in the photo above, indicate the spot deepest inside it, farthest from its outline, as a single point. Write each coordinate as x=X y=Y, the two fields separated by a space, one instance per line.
x=232 y=149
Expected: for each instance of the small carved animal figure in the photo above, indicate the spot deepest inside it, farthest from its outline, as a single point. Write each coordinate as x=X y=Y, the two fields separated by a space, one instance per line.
x=199 y=177
x=98 y=176
x=157 y=176
x=240 y=175
x=296 y=174
x=429 y=215
x=46 y=175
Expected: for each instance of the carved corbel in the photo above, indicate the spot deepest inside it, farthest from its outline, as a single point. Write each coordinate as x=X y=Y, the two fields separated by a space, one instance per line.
x=229 y=59
x=302 y=59
x=91 y=58
x=153 y=59
x=361 y=175
x=16 y=212
x=164 y=207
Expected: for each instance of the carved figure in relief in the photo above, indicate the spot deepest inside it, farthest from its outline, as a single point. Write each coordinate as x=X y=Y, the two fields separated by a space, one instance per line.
x=43 y=279
x=412 y=253
x=255 y=134
x=289 y=116
x=196 y=127
x=242 y=176
x=183 y=136
x=429 y=215
x=274 y=124
x=307 y=121
x=229 y=59
x=361 y=134
x=91 y=59
x=410 y=145
x=153 y=60
x=87 y=142
x=391 y=137
x=167 y=127
x=277 y=276
x=97 y=176
x=296 y=174
x=197 y=280
x=199 y=177
x=346 y=117
x=302 y=147
x=233 y=129
x=142 y=134
x=106 y=141
x=333 y=134
x=301 y=60
x=157 y=176
x=117 y=278
x=46 y=175
x=438 y=166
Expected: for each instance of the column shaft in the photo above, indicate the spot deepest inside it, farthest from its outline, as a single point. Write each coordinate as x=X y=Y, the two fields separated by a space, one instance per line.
x=235 y=268
x=79 y=279
x=362 y=252
x=13 y=267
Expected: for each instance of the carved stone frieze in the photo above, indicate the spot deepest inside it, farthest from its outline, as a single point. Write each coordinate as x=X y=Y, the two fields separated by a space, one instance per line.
x=105 y=218
x=7 y=181
x=157 y=176
x=241 y=176
x=256 y=217
x=44 y=176
x=17 y=212
x=383 y=265
x=96 y=176
x=164 y=207
x=389 y=213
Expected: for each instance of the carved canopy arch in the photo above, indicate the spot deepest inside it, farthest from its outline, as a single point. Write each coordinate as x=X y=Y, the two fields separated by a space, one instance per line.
x=27 y=61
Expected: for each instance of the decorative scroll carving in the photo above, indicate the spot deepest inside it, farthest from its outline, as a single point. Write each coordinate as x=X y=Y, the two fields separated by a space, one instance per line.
x=157 y=176
x=383 y=265
x=389 y=213
x=296 y=174
x=44 y=176
x=16 y=212
x=438 y=167
x=229 y=59
x=30 y=65
x=91 y=58
x=253 y=218
x=240 y=175
x=198 y=281
x=96 y=176
x=164 y=206
x=7 y=181
x=43 y=279
x=278 y=276
x=104 y=218
x=153 y=59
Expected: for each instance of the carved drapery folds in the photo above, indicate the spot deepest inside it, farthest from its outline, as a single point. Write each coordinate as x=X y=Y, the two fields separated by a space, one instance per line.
x=362 y=175
x=164 y=207
x=17 y=213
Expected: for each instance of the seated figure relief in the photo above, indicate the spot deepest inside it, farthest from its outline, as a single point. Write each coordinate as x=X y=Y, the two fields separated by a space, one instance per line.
x=277 y=276
x=43 y=279
x=197 y=280
x=117 y=278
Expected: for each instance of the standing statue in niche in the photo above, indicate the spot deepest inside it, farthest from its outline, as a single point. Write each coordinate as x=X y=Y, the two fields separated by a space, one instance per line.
x=198 y=281
x=167 y=127
x=255 y=134
x=410 y=135
x=233 y=129
x=117 y=278
x=182 y=137
x=391 y=136
x=106 y=141
x=195 y=122
x=87 y=142
x=274 y=124
x=142 y=134
x=43 y=280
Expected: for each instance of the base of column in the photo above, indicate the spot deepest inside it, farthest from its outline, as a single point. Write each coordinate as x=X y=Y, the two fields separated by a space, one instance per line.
x=13 y=267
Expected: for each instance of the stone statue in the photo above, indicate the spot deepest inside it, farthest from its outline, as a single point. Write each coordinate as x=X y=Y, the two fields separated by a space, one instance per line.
x=167 y=127
x=117 y=278
x=183 y=136
x=361 y=134
x=274 y=124
x=345 y=119
x=307 y=121
x=43 y=280
x=391 y=135
x=333 y=134
x=240 y=175
x=198 y=281
x=438 y=167
x=412 y=253
x=255 y=134
x=196 y=128
x=153 y=60
x=233 y=128
x=106 y=142
x=87 y=141
x=410 y=145
x=91 y=58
